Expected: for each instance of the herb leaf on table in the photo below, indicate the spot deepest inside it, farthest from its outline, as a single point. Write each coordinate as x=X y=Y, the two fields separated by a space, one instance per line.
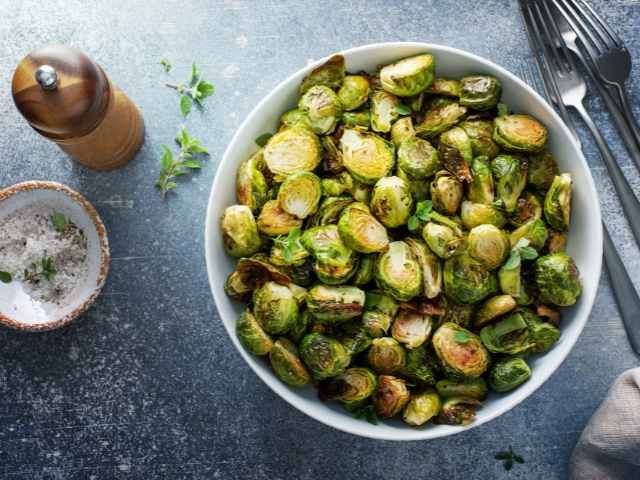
x=58 y=221
x=5 y=277
x=509 y=457
x=165 y=62
x=46 y=272
x=198 y=91
x=360 y=411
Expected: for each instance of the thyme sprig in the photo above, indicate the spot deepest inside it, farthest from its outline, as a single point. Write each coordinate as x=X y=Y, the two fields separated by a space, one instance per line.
x=46 y=272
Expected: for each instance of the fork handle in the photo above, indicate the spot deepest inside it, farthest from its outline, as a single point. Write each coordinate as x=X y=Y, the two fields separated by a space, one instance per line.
x=625 y=292
x=628 y=199
x=628 y=114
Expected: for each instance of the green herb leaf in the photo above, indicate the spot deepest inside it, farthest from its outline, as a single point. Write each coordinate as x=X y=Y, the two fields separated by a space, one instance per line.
x=294 y=234
x=423 y=210
x=263 y=139
x=288 y=254
x=5 y=277
x=352 y=408
x=372 y=299
x=198 y=149
x=508 y=465
x=360 y=413
x=367 y=112
x=26 y=273
x=403 y=110
x=528 y=253
x=190 y=164
x=502 y=109
x=185 y=105
x=502 y=456
x=206 y=89
x=166 y=162
x=372 y=418
x=58 y=221
x=165 y=62
x=52 y=272
x=523 y=242
x=187 y=144
x=514 y=260
x=171 y=185
x=518 y=459
x=162 y=176
x=462 y=337
x=413 y=222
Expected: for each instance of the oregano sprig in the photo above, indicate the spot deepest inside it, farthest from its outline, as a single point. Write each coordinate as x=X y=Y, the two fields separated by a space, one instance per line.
x=47 y=271
x=198 y=91
x=58 y=221
x=165 y=62
x=371 y=299
x=423 y=211
x=403 y=109
x=502 y=109
x=509 y=457
x=288 y=243
x=170 y=166
x=462 y=337
x=518 y=252
x=363 y=411
x=5 y=277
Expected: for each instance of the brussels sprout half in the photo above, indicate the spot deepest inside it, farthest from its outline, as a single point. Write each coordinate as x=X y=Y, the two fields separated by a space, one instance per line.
x=528 y=208
x=542 y=335
x=390 y=396
x=354 y=119
x=298 y=254
x=324 y=355
x=386 y=356
x=480 y=190
x=438 y=120
x=475 y=214
x=493 y=308
x=383 y=111
x=275 y=308
x=300 y=194
x=292 y=117
x=510 y=335
x=326 y=245
x=556 y=242
x=558 y=279
x=489 y=245
x=460 y=361
x=361 y=231
x=446 y=193
x=449 y=87
x=354 y=385
x=536 y=232
x=367 y=157
x=292 y=150
x=322 y=108
x=397 y=274
x=430 y=264
x=401 y=130
x=520 y=134
x=479 y=131
x=456 y=154
x=329 y=211
x=466 y=280
x=287 y=364
x=410 y=76
x=418 y=158
x=508 y=373
x=411 y=329
x=453 y=313
x=330 y=74
x=557 y=203
x=354 y=91
x=376 y=324
x=334 y=304
x=422 y=406
x=442 y=240
x=334 y=275
x=335 y=185
x=364 y=273
x=510 y=177
x=543 y=168
x=251 y=186
x=300 y=274
x=240 y=235
x=475 y=389
x=251 y=335
x=452 y=413
x=391 y=202
x=480 y=92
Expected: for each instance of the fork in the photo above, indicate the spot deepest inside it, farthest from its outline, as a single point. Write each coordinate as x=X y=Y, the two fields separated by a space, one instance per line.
x=569 y=88
x=608 y=53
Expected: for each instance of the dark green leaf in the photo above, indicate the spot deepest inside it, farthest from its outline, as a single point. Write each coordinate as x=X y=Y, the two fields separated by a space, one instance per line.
x=198 y=149
x=403 y=110
x=502 y=456
x=52 y=272
x=360 y=413
x=368 y=114
x=185 y=105
x=46 y=277
x=427 y=205
x=190 y=164
x=193 y=73
x=352 y=408
x=33 y=265
x=166 y=162
x=165 y=62
x=528 y=253
x=205 y=89
x=5 y=277
x=263 y=139
x=462 y=337
x=26 y=273
x=502 y=109
x=199 y=100
x=514 y=260
x=294 y=234
x=423 y=215
x=175 y=173
x=372 y=418
x=372 y=299
x=518 y=459
x=58 y=221
x=162 y=176
x=413 y=222
x=508 y=465
x=288 y=254
x=171 y=185
x=185 y=138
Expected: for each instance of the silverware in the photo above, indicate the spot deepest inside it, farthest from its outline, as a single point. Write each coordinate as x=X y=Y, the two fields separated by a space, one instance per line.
x=569 y=87
x=623 y=288
x=608 y=53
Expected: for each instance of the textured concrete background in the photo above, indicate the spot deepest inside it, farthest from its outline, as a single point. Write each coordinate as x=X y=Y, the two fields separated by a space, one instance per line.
x=146 y=383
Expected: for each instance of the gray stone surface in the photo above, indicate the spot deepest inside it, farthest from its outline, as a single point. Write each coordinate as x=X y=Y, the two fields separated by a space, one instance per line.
x=146 y=383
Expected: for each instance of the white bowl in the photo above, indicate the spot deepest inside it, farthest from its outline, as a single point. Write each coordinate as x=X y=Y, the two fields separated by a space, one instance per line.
x=584 y=242
x=17 y=309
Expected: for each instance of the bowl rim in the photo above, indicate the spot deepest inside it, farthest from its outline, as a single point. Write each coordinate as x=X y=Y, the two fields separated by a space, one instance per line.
x=517 y=395
x=104 y=253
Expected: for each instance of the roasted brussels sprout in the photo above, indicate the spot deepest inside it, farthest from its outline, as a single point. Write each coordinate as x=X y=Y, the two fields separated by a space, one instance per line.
x=528 y=208
x=557 y=203
x=556 y=242
x=475 y=389
x=542 y=335
x=297 y=333
x=415 y=102
x=236 y=289
x=390 y=396
x=510 y=177
x=251 y=335
x=361 y=193
x=330 y=74
x=293 y=149
x=554 y=317
x=558 y=279
x=326 y=246
x=329 y=211
x=355 y=343
x=455 y=153
x=422 y=406
x=322 y=108
x=376 y=324
x=240 y=234
x=510 y=335
x=410 y=76
x=411 y=328
x=401 y=130
x=480 y=92
x=430 y=264
x=300 y=194
x=361 y=231
x=489 y=245
x=475 y=214
x=287 y=364
x=479 y=131
x=335 y=185
x=536 y=232
x=452 y=413
x=383 y=111
x=442 y=240
x=493 y=308
x=463 y=361
x=438 y=120
x=449 y=87
x=355 y=119
x=324 y=355
x=481 y=187
x=437 y=101
x=418 y=158
x=453 y=313
x=354 y=385
x=334 y=275
x=367 y=157
x=298 y=253
x=510 y=281
x=508 y=373
x=454 y=223
x=386 y=356
x=466 y=280
x=397 y=274
x=387 y=305
x=446 y=193
x=520 y=134
x=364 y=273
x=251 y=187
x=300 y=274
x=391 y=202
x=543 y=168
x=334 y=304
x=275 y=308
x=292 y=117
x=354 y=91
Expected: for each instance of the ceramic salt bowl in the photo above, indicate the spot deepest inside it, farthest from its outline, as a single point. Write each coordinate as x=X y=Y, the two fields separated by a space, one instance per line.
x=17 y=309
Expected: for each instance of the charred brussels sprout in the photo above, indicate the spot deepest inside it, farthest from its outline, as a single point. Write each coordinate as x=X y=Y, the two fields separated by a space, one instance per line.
x=354 y=91
x=437 y=101
x=461 y=361
x=387 y=305
x=449 y=87
x=335 y=185
x=383 y=111
x=287 y=364
x=430 y=264
x=439 y=119
x=275 y=308
x=480 y=92
x=364 y=273
x=452 y=413
x=324 y=355
x=542 y=335
x=466 y=280
x=510 y=177
x=510 y=281
x=274 y=221
x=442 y=240
x=475 y=389
x=297 y=333
x=367 y=157
x=300 y=274
x=410 y=76
x=528 y=208
x=411 y=328
x=446 y=193
x=543 y=168
x=481 y=187
x=508 y=373
x=236 y=289
x=493 y=308
x=251 y=335
x=334 y=275
x=397 y=274
x=322 y=108
x=453 y=313
x=386 y=356
x=401 y=130
x=520 y=134
x=300 y=194
x=422 y=406
x=355 y=343
x=489 y=245
x=326 y=246
x=479 y=131
x=475 y=214
x=361 y=193
x=558 y=279
x=292 y=150
x=556 y=242
x=536 y=232
x=251 y=187
x=329 y=211
x=330 y=74
x=354 y=385
x=455 y=153
x=355 y=119
x=361 y=231
x=510 y=335
x=334 y=304
x=391 y=202
x=292 y=117
x=390 y=396
x=418 y=159
x=376 y=324
x=557 y=203
x=240 y=234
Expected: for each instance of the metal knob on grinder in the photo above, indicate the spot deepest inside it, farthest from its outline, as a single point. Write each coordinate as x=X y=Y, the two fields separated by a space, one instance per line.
x=47 y=77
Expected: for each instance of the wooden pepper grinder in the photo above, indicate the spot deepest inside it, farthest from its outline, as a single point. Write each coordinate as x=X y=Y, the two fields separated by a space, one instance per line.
x=67 y=98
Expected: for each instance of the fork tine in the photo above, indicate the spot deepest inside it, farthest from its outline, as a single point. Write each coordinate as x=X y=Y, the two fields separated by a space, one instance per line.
x=533 y=80
x=522 y=77
x=600 y=38
x=565 y=51
x=574 y=19
x=554 y=49
x=605 y=25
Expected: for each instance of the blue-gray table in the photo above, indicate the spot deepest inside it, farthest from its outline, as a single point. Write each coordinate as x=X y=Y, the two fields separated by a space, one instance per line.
x=146 y=383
